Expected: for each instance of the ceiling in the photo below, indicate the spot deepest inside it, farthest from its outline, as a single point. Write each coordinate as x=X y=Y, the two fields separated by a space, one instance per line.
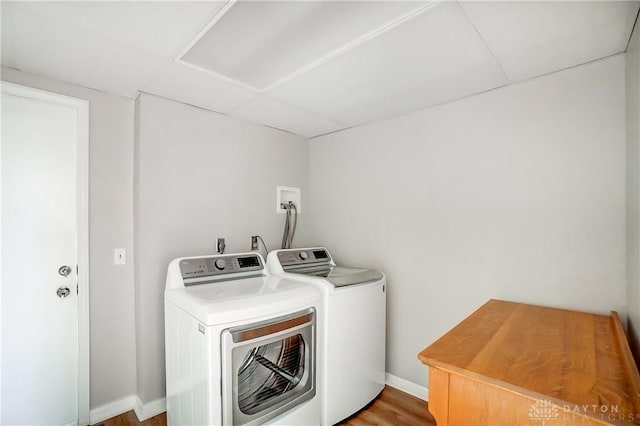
x=308 y=67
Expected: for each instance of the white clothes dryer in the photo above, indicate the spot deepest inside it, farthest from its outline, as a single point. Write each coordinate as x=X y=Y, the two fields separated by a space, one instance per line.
x=240 y=345
x=352 y=373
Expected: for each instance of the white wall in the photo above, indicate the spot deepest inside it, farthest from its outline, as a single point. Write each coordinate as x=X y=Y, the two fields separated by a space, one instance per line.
x=200 y=175
x=110 y=226
x=633 y=190
x=518 y=194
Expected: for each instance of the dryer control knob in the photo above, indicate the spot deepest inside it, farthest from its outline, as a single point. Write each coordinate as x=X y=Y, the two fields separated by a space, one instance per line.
x=220 y=264
x=303 y=255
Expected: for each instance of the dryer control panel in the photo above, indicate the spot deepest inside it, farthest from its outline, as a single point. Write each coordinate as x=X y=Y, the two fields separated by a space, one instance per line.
x=211 y=266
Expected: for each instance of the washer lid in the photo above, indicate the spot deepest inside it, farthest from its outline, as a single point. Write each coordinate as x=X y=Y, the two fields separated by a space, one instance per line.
x=317 y=262
x=340 y=276
x=224 y=302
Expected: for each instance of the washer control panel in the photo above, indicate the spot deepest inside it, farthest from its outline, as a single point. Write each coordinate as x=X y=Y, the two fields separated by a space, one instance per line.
x=304 y=256
x=219 y=265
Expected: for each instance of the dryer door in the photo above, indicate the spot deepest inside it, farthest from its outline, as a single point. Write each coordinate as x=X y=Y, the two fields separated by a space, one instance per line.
x=268 y=368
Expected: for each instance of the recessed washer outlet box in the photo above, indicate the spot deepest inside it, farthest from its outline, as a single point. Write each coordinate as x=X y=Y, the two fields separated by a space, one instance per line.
x=284 y=194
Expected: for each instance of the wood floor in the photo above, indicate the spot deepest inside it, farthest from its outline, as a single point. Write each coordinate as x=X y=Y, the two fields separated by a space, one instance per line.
x=129 y=419
x=391 y=408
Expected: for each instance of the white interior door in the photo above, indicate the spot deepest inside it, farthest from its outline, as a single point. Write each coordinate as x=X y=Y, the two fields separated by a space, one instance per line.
x=40 y=246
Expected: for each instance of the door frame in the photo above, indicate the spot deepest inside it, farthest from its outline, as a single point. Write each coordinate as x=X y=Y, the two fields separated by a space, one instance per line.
x=82 y=211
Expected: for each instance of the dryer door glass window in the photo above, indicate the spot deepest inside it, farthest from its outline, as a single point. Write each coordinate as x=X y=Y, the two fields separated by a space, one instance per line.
x=269 y=372
x=269 y=368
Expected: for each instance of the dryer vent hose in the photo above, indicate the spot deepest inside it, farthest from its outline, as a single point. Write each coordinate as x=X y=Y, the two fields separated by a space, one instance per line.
x=289 y=225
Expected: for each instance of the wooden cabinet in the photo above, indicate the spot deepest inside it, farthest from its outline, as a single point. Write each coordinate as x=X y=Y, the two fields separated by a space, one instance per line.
x=515 y=364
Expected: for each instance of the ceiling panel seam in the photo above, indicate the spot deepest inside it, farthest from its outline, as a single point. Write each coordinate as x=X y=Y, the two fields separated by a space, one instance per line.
x=226 y=114
x=328 y=133
x=219 y=76
x=143 y=92
x=355 y=43
x=197 y=38
x=495 y=58
x=591 y=61
x=206 y=28
x=306 y=110
x=633 y=28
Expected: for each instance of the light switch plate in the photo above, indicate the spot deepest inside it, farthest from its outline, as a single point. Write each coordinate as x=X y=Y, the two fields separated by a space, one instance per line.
x=119 y=256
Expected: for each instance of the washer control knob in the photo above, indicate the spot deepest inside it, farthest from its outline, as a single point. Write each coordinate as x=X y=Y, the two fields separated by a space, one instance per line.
x=221 y=264
x=303 y=255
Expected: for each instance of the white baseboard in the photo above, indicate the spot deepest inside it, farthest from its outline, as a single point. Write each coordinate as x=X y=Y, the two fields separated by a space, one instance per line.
x=407 y=386
x=153 y=408
x=150 y=409
x=112 y=409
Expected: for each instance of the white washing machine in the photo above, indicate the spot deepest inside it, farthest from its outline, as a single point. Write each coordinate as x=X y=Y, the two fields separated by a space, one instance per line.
x=240 y=345
x=352 y=373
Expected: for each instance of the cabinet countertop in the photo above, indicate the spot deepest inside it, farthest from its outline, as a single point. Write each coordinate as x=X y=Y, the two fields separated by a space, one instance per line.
x=566 y=356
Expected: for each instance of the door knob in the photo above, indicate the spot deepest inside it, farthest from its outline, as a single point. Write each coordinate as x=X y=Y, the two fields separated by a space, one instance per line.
x=63 y=292
x=64 y=270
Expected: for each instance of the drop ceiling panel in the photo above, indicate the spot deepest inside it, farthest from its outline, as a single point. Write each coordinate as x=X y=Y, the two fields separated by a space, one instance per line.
x=442 y=89
x=535 y=38
x=35 y=43
x=177 y=81
x=160 y=28
x=275 y=113
x=392 y=57
x=432 y=58
x=260 y=42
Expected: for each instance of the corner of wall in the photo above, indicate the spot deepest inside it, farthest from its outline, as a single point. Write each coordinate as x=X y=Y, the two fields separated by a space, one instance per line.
x=136 y=252
x=151 y=409
x=632 y=80
x=112 y=409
